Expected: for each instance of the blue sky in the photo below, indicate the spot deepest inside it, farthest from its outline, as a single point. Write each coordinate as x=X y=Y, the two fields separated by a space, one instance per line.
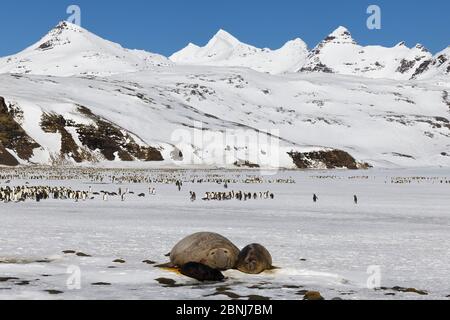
x=167 y=26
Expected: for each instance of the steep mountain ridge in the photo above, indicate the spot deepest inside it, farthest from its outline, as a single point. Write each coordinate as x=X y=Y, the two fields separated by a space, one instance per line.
x=225 y=50
x=69 y=50
x=339 y=53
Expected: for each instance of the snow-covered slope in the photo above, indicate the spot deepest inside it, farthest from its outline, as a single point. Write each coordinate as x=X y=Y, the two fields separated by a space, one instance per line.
x=71 y=50
x=225 y=50
x=339 y=53
x=137 y=116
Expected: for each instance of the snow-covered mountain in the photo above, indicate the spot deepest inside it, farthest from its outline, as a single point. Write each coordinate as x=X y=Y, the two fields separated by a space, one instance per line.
x=71 y=50
x=339 y=53
x=74 y=98
x=225 y=50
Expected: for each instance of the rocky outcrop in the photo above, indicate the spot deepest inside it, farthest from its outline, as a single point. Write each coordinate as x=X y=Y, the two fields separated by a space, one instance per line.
x=110 y=140
x=424 y=66
x=6 y=158
x=53 y=123
x=332 y=159
x=13 y=137
x=319 y=67
x=246 y=164
x=406 y=65
x=446 y=98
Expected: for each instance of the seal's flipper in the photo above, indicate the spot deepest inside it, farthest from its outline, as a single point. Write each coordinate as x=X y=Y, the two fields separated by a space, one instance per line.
x=168 y=265
x=168 y=254
x=272 y=268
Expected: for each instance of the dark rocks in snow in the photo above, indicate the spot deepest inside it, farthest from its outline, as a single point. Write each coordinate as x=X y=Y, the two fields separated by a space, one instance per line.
x=54 y=292
x=406 y=65
x=84 y=255
x=446 y=98
x=332 y=159
x=13 y=137
x=246 y=164
x=166 y=282
x=6 y=279
x=410 y=290
x=119 y=261
x=6 y=158
x=102 y=136
x=110 y=139
x=424 y=66
x=46 y=45
x=53 y=123
x=255 y=297
x=441 y=60
x=396 y=154
x=406 y=290
x=319 y=67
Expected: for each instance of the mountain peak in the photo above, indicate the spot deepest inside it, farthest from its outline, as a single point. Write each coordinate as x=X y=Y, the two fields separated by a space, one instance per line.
x=296 y=43
x=192 y=45
x=62 y=34
x=421 y=47
x=65 y=26
x=226 y=36
x=339 y=31
x=340 y=35
x=68 y=50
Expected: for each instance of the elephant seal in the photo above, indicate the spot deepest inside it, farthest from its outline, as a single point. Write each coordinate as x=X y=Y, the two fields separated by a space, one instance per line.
x=254 y=259
x=201 y=272
x=207 y=248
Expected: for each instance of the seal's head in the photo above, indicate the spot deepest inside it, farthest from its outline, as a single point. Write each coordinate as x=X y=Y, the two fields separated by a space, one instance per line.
x=254 y=259
x=220 y=259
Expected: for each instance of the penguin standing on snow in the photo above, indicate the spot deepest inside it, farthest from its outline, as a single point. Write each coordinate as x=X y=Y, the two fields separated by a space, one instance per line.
x=315 y=198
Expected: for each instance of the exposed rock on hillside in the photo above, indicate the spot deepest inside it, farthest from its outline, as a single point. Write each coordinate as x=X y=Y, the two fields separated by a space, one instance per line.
x=13 y=137
x=333 y=159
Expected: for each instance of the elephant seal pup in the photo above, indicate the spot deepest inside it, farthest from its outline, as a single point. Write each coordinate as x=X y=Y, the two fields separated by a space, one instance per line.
x=201 y=272
x=207 y=248
x=254 y=259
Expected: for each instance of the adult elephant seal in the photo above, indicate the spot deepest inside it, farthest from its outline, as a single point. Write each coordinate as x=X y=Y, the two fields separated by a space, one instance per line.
x=209 y=249
x=254 y=259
